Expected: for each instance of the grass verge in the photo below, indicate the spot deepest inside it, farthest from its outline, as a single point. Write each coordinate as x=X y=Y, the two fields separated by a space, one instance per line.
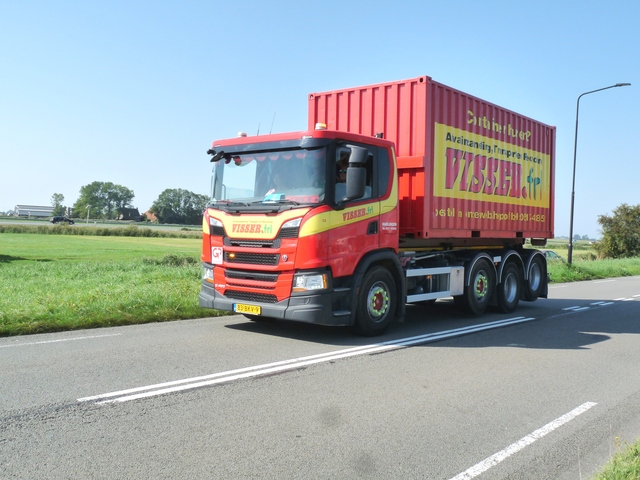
x=625 y=465
x=580 y=270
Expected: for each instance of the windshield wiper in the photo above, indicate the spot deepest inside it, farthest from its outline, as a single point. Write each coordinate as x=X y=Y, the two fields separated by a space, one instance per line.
x=226 y=203
x=284 y=201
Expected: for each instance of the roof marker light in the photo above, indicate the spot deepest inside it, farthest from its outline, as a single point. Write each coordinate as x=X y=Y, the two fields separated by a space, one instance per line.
x=321 y=126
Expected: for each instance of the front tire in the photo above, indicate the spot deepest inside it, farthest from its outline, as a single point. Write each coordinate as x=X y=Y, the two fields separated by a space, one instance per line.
x=376 y=302
x=478 y=293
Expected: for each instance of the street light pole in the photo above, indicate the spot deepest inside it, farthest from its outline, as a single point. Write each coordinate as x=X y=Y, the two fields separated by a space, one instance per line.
x=575 y=149
x=88 y=210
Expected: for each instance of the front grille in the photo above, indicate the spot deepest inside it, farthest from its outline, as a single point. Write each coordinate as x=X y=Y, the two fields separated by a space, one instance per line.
x=239 y=242
x=244 y=275
x=251 y=297
x=270 y=259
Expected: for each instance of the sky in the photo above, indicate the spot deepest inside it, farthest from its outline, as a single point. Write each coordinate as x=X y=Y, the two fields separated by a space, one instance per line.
x=135 y=93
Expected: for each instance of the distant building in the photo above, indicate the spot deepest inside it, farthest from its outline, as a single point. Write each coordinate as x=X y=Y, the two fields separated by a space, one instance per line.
x=150 y=216
x=33 y=211
x=129 y=214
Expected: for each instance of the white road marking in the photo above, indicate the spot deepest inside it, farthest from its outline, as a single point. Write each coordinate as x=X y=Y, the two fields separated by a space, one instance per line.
x=604 y=281
x=291 y=364
x=26 y=344
x=577 y=308
x=495 y=459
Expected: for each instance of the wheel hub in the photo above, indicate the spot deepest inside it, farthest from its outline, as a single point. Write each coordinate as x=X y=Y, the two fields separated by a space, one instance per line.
x=481 y=286
x=378 y=301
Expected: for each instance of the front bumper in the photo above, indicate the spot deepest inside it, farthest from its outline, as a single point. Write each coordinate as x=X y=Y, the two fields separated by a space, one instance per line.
x=315 y=308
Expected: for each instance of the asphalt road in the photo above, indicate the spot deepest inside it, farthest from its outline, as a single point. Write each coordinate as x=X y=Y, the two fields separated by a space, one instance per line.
x=545 y=393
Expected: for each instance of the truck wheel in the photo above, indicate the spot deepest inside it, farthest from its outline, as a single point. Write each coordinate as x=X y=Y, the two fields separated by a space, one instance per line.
x=478 y=293
x=376 y=302
x=535 y=279
x=509 y=289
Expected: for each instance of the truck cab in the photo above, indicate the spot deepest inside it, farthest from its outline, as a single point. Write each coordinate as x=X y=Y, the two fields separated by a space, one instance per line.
x=289 y=232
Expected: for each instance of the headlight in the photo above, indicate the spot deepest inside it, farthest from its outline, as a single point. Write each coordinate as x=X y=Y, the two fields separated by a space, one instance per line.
x=214 y=222
x=309 y=282
x=207 y=274
x=293 y=223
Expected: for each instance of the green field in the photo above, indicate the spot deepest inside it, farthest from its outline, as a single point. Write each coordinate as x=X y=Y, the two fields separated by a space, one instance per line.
x=64 y=282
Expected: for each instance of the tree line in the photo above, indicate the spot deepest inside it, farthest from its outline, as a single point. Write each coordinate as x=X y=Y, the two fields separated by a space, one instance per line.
x=107 y=200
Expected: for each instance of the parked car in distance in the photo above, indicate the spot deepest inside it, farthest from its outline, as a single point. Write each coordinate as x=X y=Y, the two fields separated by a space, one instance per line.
x=61 y=220
x=551 y=255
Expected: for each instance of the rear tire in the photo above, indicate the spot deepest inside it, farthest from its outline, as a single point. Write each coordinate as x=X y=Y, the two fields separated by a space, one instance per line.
x=376 y=302
x=534 y=284
x=508 y=294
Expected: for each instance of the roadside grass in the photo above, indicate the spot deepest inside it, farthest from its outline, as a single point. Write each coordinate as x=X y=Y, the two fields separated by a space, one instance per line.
x=585 y=264
x=57 y=282
x=624 y=465
x=581 y=269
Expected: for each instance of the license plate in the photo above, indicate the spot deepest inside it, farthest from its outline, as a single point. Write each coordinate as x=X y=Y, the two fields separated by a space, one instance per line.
x=242 y=308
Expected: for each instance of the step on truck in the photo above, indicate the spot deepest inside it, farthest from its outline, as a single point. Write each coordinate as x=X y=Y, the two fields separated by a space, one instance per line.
x=396 y=193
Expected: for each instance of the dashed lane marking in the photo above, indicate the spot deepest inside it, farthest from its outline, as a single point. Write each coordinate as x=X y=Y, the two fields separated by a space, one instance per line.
x=496 y=458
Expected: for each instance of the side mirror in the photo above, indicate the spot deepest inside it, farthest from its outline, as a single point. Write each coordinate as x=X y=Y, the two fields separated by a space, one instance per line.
x=356 y=173
x=216 y=156
x=356 y=180
x=358 y=155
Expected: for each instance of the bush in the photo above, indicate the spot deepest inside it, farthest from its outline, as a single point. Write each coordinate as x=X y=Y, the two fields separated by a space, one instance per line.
x=621 y=233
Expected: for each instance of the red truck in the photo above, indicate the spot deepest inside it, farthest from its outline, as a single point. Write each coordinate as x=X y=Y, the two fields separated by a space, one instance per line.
x=402 y=192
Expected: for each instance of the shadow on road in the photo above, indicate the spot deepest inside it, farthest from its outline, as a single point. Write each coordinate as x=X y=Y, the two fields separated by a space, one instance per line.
x=553 y=326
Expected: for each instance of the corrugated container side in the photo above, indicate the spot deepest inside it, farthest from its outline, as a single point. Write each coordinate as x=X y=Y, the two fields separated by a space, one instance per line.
x=467 y=168
x=397 y=109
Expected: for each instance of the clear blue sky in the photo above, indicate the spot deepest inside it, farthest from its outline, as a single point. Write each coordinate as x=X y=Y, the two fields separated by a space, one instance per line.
x=135 y=92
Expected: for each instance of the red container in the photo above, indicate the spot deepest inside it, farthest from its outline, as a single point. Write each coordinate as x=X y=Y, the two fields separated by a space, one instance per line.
x=467 y=168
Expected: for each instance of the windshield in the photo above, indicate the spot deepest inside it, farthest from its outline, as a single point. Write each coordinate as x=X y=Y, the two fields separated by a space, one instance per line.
x=277 y=177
